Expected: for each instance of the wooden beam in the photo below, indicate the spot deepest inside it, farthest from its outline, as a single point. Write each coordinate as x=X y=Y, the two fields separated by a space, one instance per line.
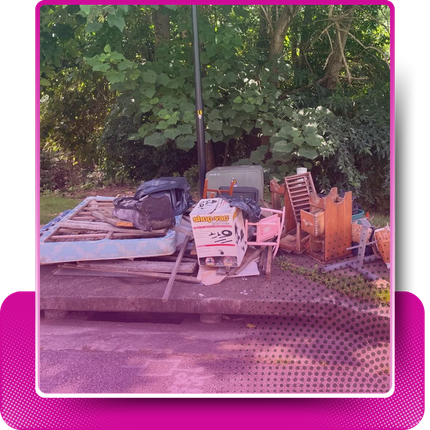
x=173 y=275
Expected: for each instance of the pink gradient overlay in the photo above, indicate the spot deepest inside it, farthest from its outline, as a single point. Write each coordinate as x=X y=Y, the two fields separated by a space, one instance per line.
x=21 y=407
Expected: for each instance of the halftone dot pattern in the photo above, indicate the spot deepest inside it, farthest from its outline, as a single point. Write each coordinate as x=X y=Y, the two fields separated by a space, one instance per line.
x=22 y=408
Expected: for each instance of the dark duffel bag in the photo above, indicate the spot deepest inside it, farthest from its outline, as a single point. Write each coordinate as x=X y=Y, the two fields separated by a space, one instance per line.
x=152 y=212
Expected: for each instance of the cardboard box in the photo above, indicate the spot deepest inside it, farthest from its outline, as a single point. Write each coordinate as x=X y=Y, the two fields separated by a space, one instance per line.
x=219 y=233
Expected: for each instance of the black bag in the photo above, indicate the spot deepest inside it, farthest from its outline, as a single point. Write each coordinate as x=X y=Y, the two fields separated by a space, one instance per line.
x=177 y=188
x=151 y=212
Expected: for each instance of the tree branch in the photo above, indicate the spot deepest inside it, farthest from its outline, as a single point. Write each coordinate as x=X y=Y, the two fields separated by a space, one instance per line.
x=348 y=73
x=268 y=19
x=368 y=47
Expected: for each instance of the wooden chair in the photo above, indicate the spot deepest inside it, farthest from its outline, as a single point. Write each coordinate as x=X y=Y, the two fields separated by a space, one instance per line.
x=268 y=228
x=213 y=192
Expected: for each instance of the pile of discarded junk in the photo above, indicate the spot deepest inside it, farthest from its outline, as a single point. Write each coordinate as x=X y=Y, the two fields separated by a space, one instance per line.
x=162 y=233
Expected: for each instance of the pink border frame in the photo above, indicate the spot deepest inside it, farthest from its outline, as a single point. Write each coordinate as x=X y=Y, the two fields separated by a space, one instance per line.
x=22 y=408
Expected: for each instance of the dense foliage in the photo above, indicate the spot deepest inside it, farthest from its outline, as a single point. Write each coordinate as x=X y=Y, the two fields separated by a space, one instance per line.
x=283 y=86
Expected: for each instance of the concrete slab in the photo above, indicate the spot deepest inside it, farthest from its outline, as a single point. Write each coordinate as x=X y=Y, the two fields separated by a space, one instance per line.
x=333 y=353
x=287 y=294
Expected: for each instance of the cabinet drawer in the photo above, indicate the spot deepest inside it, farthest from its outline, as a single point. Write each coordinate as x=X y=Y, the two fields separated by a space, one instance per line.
x=312 y=222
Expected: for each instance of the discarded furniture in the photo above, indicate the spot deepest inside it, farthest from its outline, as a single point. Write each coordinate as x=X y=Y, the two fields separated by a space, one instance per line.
x=80 y=235
x=209 y=193
x=241 y=176
x=270 y=227
x=358 y=262
x=296 y=192
x=328 y=222
x=382 y=239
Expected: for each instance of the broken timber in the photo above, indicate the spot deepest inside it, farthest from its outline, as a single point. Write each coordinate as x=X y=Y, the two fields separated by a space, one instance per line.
x=79 y=235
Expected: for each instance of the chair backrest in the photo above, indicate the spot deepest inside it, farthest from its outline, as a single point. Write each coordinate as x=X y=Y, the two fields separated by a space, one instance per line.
x=209 y=193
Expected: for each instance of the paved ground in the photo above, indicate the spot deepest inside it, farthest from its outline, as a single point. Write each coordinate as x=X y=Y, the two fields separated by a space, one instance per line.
x=340 y=352
x=293 y=336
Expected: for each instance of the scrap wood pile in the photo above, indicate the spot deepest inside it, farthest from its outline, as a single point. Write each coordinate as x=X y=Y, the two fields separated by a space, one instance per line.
x=161 y=233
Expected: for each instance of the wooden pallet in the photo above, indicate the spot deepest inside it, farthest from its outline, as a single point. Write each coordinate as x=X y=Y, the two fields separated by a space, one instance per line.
x=94 y=221
x=90 y=232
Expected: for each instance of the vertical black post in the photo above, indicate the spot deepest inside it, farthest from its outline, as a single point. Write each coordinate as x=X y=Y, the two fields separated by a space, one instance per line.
x=200 y=123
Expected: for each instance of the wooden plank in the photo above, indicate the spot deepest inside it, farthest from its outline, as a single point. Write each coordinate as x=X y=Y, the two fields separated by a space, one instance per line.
x=173 y=275
x=102 y=226
x=111 y=220
x=78 y=236
x=138 y=266
x=247 y=261
x=181 y=278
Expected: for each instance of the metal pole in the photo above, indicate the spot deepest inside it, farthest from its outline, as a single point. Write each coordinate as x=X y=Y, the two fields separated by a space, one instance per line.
x=200 y=123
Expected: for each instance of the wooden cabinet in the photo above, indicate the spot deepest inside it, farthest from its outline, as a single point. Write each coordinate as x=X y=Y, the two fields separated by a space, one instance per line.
x=313 y=222
x=328 y=223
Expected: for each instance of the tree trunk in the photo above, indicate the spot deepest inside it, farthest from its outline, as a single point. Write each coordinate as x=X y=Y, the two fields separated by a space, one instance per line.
x=210 y=158
x=337 y=57
x=281 y=28
x=161 y=21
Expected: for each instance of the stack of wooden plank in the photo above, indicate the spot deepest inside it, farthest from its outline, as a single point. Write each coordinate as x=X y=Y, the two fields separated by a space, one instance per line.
x=94 y=221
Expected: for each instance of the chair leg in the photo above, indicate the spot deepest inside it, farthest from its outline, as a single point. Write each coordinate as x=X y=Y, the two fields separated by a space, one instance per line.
x=269 y=263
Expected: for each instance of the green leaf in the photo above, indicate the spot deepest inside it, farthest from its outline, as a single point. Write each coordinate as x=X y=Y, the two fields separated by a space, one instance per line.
x=101 y=67
x=298 y=141
x=44 y=82
x=228 y=130
x=163 y=79
x=258 y=155
x=310 y=153
x=123 y=7
x=283 y=146
x=155 y=139
x=171 y=133
x=215 y=125
x=93 y=27
x=145 y=108
x=185 y=129
x=238 y=99
x=173 y=119
x=187 y=107
x=92 y=61
x=107 y=49
x=267 y=129
x=231 y=77
x=185 y=142
x=248 y=126
x=154 y=101
x=214 y=114
x=149 y=76
x=314 y=140
x=116 y=56
x=116 y=21
x=285 y=131
x=126 y=64
x=219 y=79
x=85 y=9
x=248 y=108
x=162 y=125
x=113 y=76
x=149 y=91
x=173 y=83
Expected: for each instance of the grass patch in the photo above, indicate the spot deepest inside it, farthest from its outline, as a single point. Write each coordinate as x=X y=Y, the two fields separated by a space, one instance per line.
x=356 y=287
x=379 y=220
x=52 y=206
